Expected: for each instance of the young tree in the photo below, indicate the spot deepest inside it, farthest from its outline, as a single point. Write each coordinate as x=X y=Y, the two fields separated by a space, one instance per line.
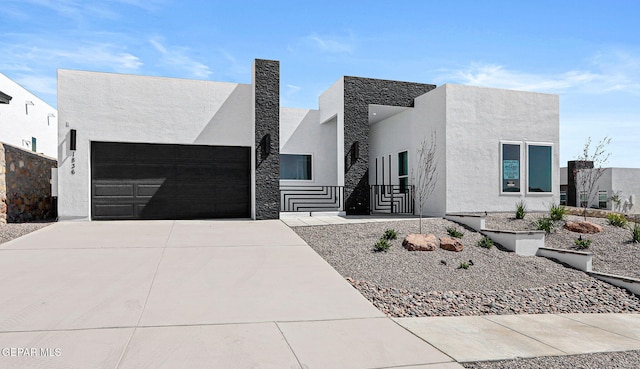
x=587 y=178
x=426 y=175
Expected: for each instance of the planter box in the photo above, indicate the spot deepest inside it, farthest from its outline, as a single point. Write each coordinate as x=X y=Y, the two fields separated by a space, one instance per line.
x=577 y=259
x=525 y=243
x=630 y=284
x=474 y=221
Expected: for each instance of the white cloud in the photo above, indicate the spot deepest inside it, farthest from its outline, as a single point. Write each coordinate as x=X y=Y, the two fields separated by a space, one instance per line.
x=177 y=57
x=39 y=85
x=325 y=44
x=606 y=72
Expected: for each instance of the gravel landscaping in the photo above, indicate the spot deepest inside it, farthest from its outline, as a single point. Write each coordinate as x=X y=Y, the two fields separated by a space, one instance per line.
x=10 y=231
x=430 y=283
x=608 y=360
x=612 y=249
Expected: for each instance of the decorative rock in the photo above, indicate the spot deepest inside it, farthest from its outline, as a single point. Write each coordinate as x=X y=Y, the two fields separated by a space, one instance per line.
x=583 y=227
x=420 y=242
x=451 y=244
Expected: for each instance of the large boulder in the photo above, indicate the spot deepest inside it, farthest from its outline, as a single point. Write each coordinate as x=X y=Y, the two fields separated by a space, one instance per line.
x=583 y=227
x=420 y=242
x=451 y=244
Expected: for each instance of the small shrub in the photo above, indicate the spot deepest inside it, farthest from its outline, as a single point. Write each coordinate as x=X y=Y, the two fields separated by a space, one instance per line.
x=453 y=232
x=544 y=224
x=382 y=245
x=582 y=243
x=390 y=234
x=486 y=242
x=635 y=233
x=521 y=209
x=463 y=265
x=557 y=212
x=617 y=220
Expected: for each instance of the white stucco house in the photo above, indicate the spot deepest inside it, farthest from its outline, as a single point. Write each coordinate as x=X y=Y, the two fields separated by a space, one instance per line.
x=26 y=121
x=623 y=182
x=135 y=147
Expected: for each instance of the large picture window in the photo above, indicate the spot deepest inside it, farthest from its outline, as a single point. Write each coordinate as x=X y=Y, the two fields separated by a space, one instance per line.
x=540 y=168
x=294 y=166
x=510 y=167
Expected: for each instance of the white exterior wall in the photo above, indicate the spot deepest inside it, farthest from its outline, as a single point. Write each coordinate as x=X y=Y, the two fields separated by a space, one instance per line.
x=477 y=120
x=120 y=108
x=627 y=181
x=302 y=133
x=331 y=106
x=17 y=127
x=389 y=137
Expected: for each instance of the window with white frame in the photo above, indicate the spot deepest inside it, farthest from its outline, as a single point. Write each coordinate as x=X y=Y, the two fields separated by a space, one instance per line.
x=540 y=168
x=295 y=166
x=602 y=199
x=510 y=167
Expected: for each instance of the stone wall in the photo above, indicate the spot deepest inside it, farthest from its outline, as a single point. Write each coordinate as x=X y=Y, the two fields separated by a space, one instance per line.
x=358 y=94
x=267 y=119
x=25 y=185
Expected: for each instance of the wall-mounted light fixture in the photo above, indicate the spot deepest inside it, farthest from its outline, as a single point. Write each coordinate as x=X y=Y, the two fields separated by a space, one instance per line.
x=49 y=116
x=72 y=140
x=355 y=151
x=26 y=106
x=265 y=146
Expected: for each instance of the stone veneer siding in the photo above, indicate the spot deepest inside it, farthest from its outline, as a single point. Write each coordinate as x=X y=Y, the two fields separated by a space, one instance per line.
x=267 y=121
x=358 y=94
x=25 y=185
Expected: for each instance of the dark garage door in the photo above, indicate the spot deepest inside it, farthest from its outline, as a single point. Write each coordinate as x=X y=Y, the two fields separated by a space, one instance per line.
x=158 y=181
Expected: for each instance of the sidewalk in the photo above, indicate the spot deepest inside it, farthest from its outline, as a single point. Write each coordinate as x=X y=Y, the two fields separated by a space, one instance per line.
x=502 y=337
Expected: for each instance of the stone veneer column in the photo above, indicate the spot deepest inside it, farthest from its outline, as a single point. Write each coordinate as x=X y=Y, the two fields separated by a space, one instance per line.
x=358 y=94
x=266 y=85
x=572 y=187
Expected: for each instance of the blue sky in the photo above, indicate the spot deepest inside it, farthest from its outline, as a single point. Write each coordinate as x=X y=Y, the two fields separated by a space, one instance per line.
x=588 y=52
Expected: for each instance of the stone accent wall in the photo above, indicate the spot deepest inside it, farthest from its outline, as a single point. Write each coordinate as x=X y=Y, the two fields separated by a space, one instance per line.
x=358 y=94
x=25 y=186
x=267 y=122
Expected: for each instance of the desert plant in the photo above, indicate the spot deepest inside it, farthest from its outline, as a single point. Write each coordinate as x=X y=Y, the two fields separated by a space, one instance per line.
x=582 y=243
x=544 y=224
x=382 y=245
x=635 y=233
x=390 y=234
x=426 y=176
x=590 y=170
x=453 y=232
x=557 y=212
x=463 y=265
x=616 y=199
x=617 y=219
x=485 y=242
x=521 y=209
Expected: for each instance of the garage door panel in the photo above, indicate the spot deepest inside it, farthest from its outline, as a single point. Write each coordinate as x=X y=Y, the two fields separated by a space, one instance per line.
x=170 y=181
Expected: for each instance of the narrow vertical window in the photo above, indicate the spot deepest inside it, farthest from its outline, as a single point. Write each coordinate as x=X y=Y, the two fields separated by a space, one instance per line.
x=403 y=171
x=510 y=168
x=540 y=168
x=33 y=144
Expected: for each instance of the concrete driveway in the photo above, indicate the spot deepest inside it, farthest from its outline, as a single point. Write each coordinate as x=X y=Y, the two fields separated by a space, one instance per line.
x=188 y=294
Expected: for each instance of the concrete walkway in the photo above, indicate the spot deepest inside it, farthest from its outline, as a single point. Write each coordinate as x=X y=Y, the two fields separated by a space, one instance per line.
x=189 y=294
x=305 y=221
x=502 y=337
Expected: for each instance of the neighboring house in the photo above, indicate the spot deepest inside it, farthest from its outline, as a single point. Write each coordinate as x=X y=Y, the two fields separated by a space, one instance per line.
x=623 y=183
x=134 y=147
x=26 y=121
